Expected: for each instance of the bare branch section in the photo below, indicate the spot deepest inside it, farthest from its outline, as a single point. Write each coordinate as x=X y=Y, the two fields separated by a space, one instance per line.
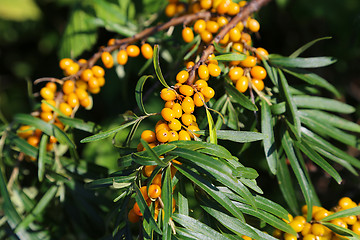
x=245 y=12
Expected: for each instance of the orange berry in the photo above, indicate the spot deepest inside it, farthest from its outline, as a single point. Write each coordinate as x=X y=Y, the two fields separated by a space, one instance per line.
x=356 y=227
x=208 y=92
x=33 y=140
x=157 y=180
x=25 y=131
x=168 y=94
x=206 y=36
x=346 y=203
x=339 y=222
x=214 y=70
x=174 y=125
x=68 y=87
x=200 y=26
x=309 y=237
x=200 y=84
x=136 y=209
x=187 y=105
x=133 y=50
x=51 y=86
x=45 y=107
x=184 y=135
x=82 y=61
x=52 y=139
x=296 y=225
x=222 y=21
x=162 y=135
x=199 y=99
x=182 y=76
x=206 y=4
x=235 y=34
x=93 y=83
x=154 y=191
x=186 y=90
x=147 y=51
x=258 y=72
x=253 y=25
x=107 y=59
x=81 y=93
x=190 y=64
x=245 y=37
x=168 y=114
x=212 y=26
x=94 y=90
x=98 y=71
x=192 y=129
x=258 y=84
x=203 y=72
x=147 y=171
x=321 y=214
x=81 y=84
x=46 y=93
x=170 y=10
x=236 y=73
x=149 y=136
x=186 y=119
x=242 y=84
x=122 y=57
x=101 y=81
x=162 y=124
x=288 y=236
x=65 y=109
x=177 y=110
x=223 y=7
x=187 y=34
x=173 y=136
x=238 y=47
x=250 y=61
x=86 y=102
x=72 y=69
x=261 y=53
x=350 y=220
x=169 y=104
x=46 y=116
x=132 y=217
x=111 y=42
x=234 y=9
x=72 y=100
x=318 y=229
x=65 y=62
x=225 y=39
x=86 y=74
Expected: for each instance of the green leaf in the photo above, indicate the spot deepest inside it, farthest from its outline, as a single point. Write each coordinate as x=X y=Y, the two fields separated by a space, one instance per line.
x=152 y=154
x=323 y=104
x=269 y=142
x=212 y=130
x=271 y=72
x=47 y=128
x=313 y=79
x=233 y=120
x=342 y=213
x=235 y=225
x=182 y=202
x=316 y=158
x=42 y=156
x=306 y=46
x=80 y=34
x=210 y=189
x=79 y=124
x=341 y=231
x=290 y=104
x=239 y=98
x=145 y=210
x=268 y=218
x=109 y=12
x=20 y=10
x=230 y=57
x=218 y=48
x=38 y=209
x=157 y=66
x=286 y=186
x=236 y=136
x=197 y=226
x=311 y=62
x=166 y=196
x=117 y=181
x=299 y=174
x=139 y=93
x=107 y=133
x=331 y=119
x=191 y=47
x=279 y=108
x=324 y=129
x=323 y=144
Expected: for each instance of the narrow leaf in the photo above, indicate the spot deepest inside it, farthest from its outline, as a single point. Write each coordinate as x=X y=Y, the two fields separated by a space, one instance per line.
x=323 y=104
x=110 y=181
x=311 y=62
x=139 y=92
x=79 y=124
x=269 y=142
x=343 y=213
x=166 y=196
x=342 y=231
x=212 y=130
x=157 y=66
x=107 y=133
x=236 y=136
x=230 y=57
x=239 y=98
x=42 y=156
x=306 y=46
x=152 y=154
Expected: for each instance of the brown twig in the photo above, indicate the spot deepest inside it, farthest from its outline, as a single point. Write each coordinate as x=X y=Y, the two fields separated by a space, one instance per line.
x=249 y=8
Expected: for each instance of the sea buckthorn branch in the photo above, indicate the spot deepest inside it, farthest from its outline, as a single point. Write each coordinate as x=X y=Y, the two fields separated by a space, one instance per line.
x=247 y=10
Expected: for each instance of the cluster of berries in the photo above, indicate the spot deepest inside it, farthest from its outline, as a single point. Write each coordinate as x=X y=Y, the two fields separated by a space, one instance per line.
x=314 y=230
x=238 y=38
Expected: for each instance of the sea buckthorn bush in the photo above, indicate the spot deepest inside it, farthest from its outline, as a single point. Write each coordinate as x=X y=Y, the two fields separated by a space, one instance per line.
x=220 y=140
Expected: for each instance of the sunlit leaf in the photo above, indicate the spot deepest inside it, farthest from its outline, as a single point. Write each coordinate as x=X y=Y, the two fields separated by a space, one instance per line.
x=239 y=98
x=306 y=46
x=311 y=62
x=42 y=156
x=323 y=104
x=157 y=67
x=230 y=57
x=236 y=136
x=212 y=130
